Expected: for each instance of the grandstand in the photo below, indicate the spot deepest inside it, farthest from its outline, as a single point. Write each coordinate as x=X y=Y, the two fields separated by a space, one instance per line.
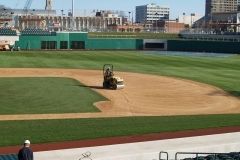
x=209 y=35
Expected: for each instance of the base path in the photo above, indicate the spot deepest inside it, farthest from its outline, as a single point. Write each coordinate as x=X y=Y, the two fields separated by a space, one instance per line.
x=144 y=95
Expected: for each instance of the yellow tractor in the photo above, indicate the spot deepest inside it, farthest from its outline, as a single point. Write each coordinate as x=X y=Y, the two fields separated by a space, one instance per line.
x=109 y=80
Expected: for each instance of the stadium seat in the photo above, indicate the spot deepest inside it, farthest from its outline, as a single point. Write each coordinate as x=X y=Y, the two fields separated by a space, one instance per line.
x=9 y=157
x=39 y=32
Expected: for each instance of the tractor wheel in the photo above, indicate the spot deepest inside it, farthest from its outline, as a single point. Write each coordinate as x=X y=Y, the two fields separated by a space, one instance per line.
x=105 y=85
x=114 y=86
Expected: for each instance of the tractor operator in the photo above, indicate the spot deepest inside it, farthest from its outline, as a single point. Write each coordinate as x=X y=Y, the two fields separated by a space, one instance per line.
x=108 y=73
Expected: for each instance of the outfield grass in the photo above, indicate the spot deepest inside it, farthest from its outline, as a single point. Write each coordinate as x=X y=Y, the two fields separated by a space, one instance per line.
x=45 y=95
x=141 y=35
x=42 y=131
x=221 y=72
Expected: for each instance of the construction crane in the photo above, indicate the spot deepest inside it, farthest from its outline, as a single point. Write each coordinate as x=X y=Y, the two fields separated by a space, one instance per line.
x=27 y=6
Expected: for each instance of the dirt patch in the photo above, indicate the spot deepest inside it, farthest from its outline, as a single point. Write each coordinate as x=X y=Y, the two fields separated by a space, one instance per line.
x=144 y=95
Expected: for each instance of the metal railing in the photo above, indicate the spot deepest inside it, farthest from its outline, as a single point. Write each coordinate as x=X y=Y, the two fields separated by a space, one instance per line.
x=200 y=155
x=161 y=153
x=197 y=155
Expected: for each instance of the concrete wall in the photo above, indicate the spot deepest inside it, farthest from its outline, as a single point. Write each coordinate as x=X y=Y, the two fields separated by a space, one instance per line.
x=11 y=39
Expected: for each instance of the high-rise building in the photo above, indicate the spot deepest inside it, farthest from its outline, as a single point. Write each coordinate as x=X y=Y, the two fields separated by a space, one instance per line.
x=48 y=5
x=214 y=6
x=151 y=12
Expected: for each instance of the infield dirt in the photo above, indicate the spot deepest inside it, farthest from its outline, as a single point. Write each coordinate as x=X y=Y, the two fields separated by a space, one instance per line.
x=143 y=95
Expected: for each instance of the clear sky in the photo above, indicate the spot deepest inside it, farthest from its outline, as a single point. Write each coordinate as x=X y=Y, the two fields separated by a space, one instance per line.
x=177 y=7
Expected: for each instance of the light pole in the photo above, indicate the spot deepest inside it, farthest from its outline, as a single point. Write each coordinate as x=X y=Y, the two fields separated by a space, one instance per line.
x=184 y=17
x=156 y=14
x=192 y=15
x=168 y=22
x=62 y=19
x=73 y=24
x=129 y=14
x=211 y=18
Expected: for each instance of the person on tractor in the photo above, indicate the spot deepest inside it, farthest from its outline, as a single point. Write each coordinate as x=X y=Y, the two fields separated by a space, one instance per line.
x=108 y=73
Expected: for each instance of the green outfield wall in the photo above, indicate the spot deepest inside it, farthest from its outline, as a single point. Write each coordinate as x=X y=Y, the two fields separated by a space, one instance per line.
x=80 y=40
x=63 y=40
x=128 y=44
x=75 y=40
x=203 y=46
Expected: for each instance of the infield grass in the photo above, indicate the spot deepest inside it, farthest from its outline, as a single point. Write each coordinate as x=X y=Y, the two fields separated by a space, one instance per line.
x=46 y=95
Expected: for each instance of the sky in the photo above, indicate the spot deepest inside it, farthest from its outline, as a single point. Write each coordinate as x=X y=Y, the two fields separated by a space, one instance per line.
x=177 y=7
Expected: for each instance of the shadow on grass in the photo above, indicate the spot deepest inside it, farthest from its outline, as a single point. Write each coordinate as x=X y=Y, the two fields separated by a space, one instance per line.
x=228 y=93
x=235 y=93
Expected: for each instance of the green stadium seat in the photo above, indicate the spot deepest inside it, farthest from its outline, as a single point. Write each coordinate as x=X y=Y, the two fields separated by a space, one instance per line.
x=38 y=32
x=9 y=157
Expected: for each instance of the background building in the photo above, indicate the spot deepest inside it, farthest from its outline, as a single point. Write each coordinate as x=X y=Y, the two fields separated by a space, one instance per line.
x=213 y=6
x=48 y=5
x=151 y=13
x=63 y=23
x=221 y=16
x=170 y=26
x=189 y=19
x=48 y=19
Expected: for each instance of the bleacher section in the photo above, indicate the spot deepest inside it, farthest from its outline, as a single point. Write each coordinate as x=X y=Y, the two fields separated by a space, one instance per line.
x=7 y=32
x=34 y=32
x=9 y=157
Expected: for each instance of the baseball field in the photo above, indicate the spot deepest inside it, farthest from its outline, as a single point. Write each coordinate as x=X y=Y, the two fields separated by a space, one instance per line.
x=53 y=96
